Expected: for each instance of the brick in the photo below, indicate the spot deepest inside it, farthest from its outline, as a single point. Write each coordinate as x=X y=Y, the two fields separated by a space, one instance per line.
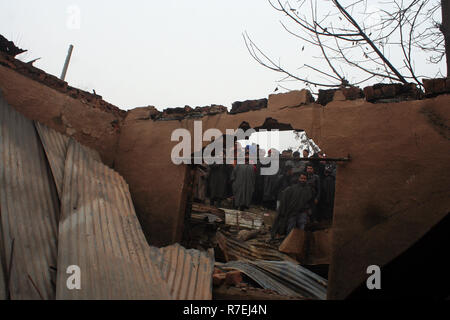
x=389 y=91
x=436 y=86
x=248 y=105
x=325 y=96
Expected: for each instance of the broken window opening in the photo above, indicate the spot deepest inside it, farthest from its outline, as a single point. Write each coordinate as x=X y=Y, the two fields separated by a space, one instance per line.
x=239 y=225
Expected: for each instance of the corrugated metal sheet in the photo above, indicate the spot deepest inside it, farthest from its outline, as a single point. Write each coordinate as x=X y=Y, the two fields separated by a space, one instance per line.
x=55 y=145
x=234 y=249
x=187 y=272
x=98 y=228
x=29 y=208
x=3 y=294
x=99 y=232
x=284 y=277
x=2 y=285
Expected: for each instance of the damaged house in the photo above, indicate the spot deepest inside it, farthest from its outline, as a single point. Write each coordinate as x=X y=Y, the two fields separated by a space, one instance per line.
x=82 y=185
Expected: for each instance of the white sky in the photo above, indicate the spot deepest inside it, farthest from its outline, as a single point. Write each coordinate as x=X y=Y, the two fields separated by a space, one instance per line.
x=163 y=53
x=167 y=53
x=280 y=140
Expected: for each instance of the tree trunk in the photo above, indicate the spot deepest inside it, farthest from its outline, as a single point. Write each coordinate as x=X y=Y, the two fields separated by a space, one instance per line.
x=445 y=28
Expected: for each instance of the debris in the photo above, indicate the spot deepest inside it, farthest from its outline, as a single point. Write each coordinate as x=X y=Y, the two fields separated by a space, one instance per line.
x=29 y=210
x=284 y=277
x=326 y=96
x=392 y=92
x=206 y=217
x=248 y=105
x=225 y=292
x=202 y=208
x=245 y=235
x=188 y=273
x=243 y=219
x=188 y=113
x=233 y=278
x=255 y=249
x=435 y=87
x=99 y=232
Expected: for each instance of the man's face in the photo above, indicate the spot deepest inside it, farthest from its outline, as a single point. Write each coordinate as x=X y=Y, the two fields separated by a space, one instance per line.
x=309 y=169
x=303 y=178
x=305 y=154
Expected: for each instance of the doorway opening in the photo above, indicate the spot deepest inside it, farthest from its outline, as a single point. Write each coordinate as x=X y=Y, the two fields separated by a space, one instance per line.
x=233 y=207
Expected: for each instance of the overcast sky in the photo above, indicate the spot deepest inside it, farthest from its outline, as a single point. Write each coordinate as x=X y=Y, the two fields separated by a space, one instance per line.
x=167 y=53
x=280 y=140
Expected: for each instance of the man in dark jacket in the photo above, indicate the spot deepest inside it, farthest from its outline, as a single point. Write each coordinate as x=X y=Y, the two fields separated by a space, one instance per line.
x=314 y=182
x=295 y=207
x=327 y=195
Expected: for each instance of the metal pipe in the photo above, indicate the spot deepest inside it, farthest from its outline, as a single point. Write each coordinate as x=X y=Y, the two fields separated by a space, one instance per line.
x=66 y=64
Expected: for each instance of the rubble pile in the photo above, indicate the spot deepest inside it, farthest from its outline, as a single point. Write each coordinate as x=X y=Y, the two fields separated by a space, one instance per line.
x=188 y=113
x=434 y=87
x=392 y=92
x=240 y=238
x=248 y=105
x=351 y=93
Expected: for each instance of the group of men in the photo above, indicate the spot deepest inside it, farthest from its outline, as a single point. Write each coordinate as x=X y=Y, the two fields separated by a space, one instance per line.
x=301 y=191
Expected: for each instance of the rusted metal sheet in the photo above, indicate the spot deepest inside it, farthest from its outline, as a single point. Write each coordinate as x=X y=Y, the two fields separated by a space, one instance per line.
x=187 y=272
x=284 y=277
x=3 y=294
x=2 y=285
x=99 y=232
x=29 y=209
x=55 y=146
x=255 y=249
